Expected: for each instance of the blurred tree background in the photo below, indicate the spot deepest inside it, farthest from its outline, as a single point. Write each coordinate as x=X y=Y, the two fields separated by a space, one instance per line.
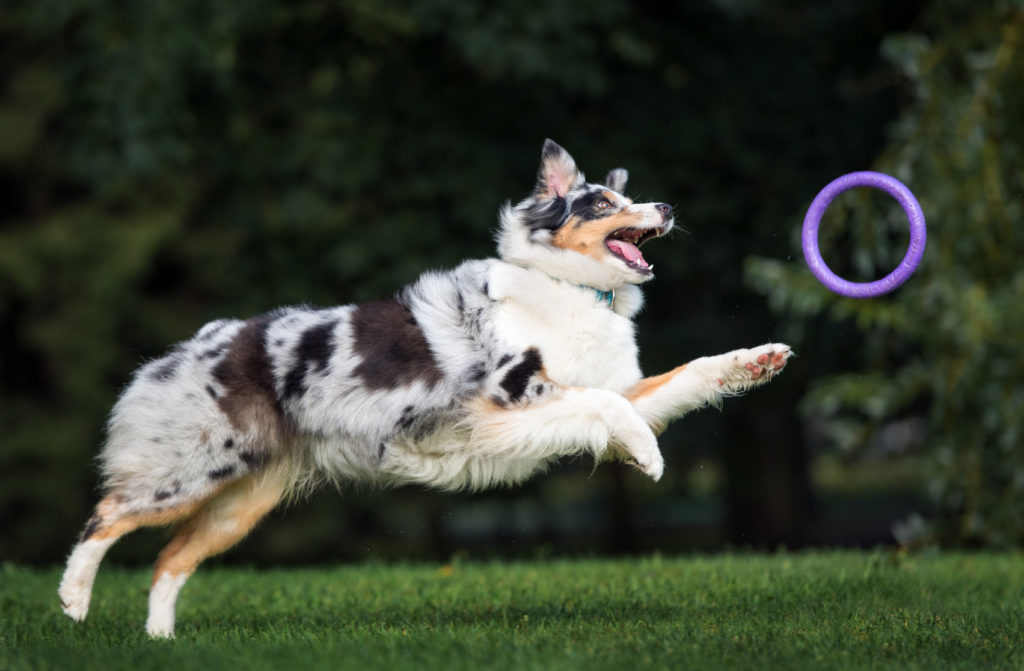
x=941 y=361
x=166 y=163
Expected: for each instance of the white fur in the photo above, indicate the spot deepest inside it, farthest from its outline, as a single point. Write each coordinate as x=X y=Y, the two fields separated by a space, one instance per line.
x=598 y=351
x=491 y=449
x=76 y=586
x=162 y=598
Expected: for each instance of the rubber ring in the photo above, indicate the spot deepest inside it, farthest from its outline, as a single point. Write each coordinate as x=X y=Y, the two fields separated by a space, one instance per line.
x=907 y=266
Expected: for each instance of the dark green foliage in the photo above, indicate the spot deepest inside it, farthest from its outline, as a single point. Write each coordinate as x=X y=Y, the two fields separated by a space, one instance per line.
x=162 y=164
x=943 y=354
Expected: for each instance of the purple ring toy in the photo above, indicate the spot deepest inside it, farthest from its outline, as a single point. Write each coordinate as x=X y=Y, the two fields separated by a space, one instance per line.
x=907 y=266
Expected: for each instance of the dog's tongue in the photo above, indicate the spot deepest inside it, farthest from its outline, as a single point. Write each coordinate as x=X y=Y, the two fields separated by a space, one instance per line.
x=628 y=251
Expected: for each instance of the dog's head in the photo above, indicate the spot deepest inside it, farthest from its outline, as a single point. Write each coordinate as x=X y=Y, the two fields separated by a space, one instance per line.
x=580 y=232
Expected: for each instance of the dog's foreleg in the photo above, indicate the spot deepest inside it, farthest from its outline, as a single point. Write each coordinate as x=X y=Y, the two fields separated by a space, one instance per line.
x=705 y=381
x=569 y=421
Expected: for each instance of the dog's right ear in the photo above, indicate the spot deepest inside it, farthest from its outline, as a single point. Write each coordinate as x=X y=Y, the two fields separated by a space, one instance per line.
x=558 y=173
x=616 y=180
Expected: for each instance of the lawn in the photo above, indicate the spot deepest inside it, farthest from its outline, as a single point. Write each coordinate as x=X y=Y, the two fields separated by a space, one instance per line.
x=818 y=610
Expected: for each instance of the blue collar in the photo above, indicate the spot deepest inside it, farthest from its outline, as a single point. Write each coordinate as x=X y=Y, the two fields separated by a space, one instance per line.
x=603 y=296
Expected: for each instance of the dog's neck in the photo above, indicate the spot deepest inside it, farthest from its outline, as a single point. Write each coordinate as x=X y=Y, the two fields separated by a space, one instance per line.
x=603 y=296
x=531 y=285
x=606 y=296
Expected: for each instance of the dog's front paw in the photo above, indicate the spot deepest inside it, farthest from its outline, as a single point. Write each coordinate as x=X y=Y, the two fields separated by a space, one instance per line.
x=74 y=604
x=630 y=438
x=746 y=368
x=654 y=468
x=643 y=453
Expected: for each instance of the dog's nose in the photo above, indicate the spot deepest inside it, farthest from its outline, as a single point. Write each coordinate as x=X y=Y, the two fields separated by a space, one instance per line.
x=665 y=209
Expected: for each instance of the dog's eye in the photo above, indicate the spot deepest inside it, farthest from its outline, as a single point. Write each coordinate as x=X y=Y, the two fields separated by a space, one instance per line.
x=603 y=204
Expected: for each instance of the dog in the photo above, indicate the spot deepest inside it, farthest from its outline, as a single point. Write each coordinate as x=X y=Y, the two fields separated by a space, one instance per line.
x=466 y=379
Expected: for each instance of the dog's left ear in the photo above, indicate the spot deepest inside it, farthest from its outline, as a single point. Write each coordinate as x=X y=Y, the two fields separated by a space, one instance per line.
x=558 y=173
x=616 y=179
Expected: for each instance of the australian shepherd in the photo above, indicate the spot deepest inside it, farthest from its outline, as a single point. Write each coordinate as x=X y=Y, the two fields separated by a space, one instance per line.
x=464 y=379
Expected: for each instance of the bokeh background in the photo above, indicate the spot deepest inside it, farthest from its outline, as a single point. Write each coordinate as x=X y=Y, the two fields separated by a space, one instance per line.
x=165 y=163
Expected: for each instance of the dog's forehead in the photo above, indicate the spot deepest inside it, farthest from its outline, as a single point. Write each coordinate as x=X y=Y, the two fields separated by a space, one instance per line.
x=594 y=192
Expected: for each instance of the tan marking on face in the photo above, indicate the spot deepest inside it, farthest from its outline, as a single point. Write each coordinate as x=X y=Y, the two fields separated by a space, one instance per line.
x=587 y=237
x=616 y=197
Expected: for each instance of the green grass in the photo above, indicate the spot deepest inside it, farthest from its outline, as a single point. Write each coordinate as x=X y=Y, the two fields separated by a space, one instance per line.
x=838 y=610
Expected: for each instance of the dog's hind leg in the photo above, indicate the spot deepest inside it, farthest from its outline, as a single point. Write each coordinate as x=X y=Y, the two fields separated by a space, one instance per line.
x=220 y=523
x=111 y=520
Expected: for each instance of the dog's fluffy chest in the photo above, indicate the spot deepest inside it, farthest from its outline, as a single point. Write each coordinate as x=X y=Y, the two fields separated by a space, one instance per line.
x=582 y=340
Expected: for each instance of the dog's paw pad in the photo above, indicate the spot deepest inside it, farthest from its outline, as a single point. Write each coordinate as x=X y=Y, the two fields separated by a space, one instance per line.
x=774 y=360
x=754 y=366
x=755 y=370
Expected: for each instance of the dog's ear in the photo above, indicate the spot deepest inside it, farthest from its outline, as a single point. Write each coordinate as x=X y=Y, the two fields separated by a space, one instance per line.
x=558 y=172
x=616 y=179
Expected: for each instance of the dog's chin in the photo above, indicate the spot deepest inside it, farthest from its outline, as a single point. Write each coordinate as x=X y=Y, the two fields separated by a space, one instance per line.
x=628 y=273
x=639 y=268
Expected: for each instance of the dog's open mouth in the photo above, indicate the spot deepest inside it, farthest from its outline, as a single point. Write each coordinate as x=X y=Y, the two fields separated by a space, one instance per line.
x=625 y=244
